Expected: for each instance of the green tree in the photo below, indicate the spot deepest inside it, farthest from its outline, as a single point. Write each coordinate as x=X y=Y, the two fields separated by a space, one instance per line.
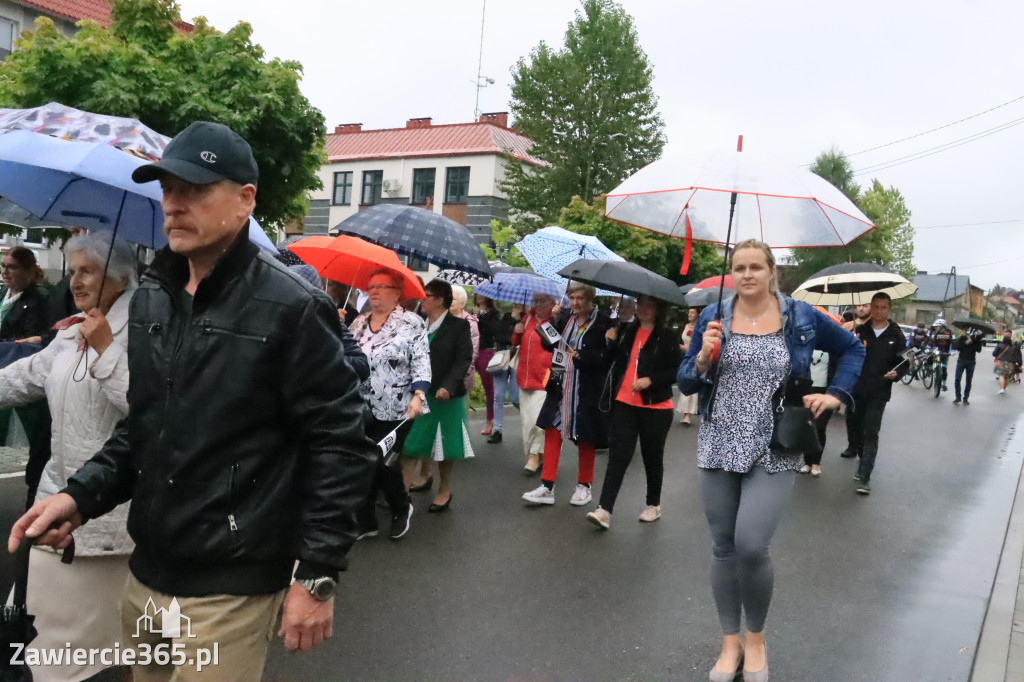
x=891 y=243
x=835 y=167
x=591 y=111
x=141 y=67
x=658 y=253
x=504 y=238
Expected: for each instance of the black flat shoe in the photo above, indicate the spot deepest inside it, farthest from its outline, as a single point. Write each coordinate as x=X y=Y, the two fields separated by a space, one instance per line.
x=495 y=437
x=438 y=508
x=426 y=485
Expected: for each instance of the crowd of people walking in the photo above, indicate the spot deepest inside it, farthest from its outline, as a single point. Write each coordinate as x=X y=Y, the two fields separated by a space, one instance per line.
x=229 y=430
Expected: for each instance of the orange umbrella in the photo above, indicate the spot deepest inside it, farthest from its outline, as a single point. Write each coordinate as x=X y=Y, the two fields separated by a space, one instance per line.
x=834 y=318
x=351 y=261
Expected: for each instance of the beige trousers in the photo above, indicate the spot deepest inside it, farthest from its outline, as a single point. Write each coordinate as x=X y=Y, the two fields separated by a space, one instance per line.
x=238 y=629
x=530 y=403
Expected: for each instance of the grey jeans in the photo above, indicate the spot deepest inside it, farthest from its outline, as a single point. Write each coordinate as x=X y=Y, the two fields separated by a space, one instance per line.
x=743 y=511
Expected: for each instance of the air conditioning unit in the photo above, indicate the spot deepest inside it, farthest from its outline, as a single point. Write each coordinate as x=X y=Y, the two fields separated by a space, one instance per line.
x=392 y=185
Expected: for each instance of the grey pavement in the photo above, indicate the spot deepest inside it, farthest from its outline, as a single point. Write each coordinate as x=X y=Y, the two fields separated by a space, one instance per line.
x=892 y=587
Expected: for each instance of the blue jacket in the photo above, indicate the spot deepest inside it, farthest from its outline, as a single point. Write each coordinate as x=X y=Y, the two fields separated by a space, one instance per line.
x=805 y=328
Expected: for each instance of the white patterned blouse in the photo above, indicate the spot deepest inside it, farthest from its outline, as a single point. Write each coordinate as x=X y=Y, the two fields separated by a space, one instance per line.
x=399 y=356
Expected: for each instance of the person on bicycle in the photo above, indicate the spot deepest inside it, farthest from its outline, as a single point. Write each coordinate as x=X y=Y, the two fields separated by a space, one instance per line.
x=967 y=347
x=941 y=339
x=919 y=337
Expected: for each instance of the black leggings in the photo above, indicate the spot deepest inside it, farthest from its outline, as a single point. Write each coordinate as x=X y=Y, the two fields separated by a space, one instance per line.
x=387 y=479
x=628 y=424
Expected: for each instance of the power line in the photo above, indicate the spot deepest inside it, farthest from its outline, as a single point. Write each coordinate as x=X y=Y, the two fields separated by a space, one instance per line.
x=936 y=150
x=995 y=262
x=911 y=137
x=991 y=222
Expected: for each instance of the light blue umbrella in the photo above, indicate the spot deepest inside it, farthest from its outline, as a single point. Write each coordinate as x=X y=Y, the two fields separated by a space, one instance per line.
x=550 y=249
x=87 y=184
x=515 y=287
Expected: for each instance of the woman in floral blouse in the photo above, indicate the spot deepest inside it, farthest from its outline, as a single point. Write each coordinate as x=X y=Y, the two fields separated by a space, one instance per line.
x=395 y=342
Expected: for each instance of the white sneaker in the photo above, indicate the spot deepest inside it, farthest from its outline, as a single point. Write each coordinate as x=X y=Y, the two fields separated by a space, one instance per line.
x=581 y=496
x=650 y=513
x=1002 y=391
x=540 y=495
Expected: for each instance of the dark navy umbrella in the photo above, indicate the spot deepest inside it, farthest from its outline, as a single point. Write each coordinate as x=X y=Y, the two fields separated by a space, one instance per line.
x=415 y=231
x=623 y=277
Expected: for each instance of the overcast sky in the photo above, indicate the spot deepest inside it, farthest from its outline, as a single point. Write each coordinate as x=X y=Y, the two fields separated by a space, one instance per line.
x=793 y=77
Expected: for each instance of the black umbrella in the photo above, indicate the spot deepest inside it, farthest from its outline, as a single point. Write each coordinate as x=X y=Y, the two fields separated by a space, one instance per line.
x=974 y=324
x=699 y=298
x=685 y=288
x=623 y=277
x=16 y=625
x=415 y=231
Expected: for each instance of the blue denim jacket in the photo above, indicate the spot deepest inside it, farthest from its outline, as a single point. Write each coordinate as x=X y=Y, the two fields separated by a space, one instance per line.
x=805 y=329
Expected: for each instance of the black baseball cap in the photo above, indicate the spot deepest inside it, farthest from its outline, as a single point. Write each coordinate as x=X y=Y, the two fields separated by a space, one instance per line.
x=202 y=154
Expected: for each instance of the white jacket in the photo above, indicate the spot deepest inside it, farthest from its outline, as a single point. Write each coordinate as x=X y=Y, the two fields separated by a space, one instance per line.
x=84 y=413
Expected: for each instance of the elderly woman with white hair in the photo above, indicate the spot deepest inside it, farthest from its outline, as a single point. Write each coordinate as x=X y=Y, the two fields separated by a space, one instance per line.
x=83 y=374
x=531 y=376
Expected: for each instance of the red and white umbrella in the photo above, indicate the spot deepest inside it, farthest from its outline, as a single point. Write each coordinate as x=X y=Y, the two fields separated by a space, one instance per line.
x=780 y=204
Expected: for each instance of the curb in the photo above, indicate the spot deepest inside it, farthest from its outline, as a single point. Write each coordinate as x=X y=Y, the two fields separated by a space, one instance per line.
x=992 y=660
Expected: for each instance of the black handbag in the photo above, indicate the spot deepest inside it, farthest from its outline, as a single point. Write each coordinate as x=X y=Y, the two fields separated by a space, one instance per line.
x=793 y=431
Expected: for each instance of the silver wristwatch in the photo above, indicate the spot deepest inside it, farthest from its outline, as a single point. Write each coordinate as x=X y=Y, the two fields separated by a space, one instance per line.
x=322 y=589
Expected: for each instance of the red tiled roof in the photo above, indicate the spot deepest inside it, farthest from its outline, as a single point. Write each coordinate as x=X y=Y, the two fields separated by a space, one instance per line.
x=76 y=10
x=73 y=9
x=437 y=140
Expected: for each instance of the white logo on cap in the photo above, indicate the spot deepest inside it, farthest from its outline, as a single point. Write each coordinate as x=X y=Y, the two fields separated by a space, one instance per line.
x=208 y=157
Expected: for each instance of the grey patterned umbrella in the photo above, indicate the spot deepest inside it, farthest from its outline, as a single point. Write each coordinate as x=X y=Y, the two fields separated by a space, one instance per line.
x=418 y=232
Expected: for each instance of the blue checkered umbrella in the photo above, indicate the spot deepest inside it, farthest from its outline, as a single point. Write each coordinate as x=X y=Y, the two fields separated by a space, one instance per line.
x=515 y=287
x=550 y=249
x=415 y=231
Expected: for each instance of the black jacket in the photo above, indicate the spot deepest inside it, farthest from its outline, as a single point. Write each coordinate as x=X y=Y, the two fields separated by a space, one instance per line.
x=29 y=316
x=591 y=367
x=488 y=323
x=1007 y=351
x=883 y=353
x=658 y=359
x=243 y=449
x=506 y=328
x=967 y=353
x=451 y=352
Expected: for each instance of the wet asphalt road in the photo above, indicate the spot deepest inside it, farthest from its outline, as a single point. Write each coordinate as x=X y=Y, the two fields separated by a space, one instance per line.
x=892 y=587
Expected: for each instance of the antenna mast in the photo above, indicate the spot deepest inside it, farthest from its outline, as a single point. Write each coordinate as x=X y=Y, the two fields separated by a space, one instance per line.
x=480 y=65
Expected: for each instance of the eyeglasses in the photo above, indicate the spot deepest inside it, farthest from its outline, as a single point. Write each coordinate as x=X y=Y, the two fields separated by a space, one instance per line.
x=433 y=296
x=379 y=287
x=9 y=267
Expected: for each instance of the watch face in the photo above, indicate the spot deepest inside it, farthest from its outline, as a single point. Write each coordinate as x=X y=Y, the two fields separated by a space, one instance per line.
x=323 y=589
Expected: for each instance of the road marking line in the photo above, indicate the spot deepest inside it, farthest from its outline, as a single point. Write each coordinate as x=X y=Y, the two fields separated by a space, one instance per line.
x=14 y=475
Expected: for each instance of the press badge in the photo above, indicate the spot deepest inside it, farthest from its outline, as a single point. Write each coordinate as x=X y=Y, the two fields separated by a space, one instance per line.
x=550 y=334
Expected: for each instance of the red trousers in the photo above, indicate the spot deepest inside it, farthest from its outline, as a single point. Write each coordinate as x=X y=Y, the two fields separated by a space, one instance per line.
x=552 y=450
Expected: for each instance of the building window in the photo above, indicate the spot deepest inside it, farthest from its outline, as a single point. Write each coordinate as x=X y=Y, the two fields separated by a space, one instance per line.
x=373 y=183
x=456 y=185
x=342 y=189
x=423 y=184
x=415 y=263
x=8 y=32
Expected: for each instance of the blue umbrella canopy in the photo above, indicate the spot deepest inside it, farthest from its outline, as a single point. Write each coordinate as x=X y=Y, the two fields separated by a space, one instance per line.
x=415 y=231
x=515 y=287
x=550 y=249
x=88 y=184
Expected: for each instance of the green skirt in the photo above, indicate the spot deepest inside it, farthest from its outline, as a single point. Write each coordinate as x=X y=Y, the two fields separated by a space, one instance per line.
x=440 y=434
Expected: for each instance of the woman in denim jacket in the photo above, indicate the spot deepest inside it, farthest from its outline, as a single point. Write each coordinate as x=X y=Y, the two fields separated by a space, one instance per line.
x=764 y=337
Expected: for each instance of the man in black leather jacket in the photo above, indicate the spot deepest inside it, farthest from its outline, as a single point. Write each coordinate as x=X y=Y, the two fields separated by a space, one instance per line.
x=243 y=449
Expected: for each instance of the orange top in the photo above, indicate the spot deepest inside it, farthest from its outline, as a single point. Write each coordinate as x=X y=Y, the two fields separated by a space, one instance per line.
x=626 y=394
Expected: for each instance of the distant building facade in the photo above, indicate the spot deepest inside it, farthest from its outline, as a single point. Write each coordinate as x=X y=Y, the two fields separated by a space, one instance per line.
x=452 y=169
x=943 y=295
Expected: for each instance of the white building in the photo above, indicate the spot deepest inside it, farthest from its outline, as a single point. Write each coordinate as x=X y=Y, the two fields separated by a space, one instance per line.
x=451 y=169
